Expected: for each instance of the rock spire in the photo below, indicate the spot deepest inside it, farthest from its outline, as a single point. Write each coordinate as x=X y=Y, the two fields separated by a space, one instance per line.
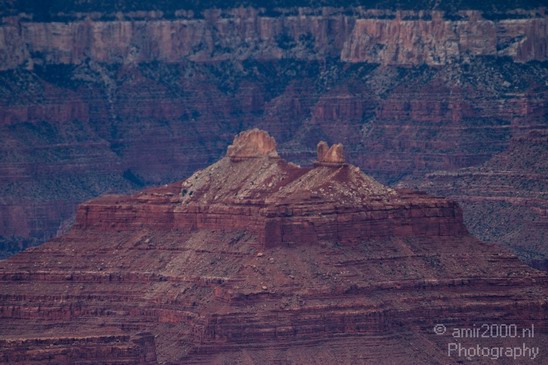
x=333 y=155
x=251 y=144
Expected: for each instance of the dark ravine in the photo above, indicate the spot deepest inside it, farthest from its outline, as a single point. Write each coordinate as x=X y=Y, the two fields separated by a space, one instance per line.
x=255 y=260
x=124 y=97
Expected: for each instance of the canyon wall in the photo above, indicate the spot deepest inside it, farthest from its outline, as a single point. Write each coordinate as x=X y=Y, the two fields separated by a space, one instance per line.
x=95 y=102
x=374 y=36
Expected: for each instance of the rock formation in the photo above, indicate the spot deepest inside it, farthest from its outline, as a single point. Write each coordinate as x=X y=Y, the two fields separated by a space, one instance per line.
x=516 y=190
x=283 y=204
x=97 y=98
x=256 y=261
x=363 y=35
x=330 y=155
x=251 y=144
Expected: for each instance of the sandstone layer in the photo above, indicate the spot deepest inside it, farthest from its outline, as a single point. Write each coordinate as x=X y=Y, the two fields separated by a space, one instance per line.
x=181 y=274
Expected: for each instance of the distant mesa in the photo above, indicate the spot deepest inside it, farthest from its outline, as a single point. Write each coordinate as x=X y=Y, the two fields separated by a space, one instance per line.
x=333 y=155
x=251 y=144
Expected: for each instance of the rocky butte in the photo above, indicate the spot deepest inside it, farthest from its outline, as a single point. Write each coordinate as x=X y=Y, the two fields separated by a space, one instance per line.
x=115 y=95
x=255 y=260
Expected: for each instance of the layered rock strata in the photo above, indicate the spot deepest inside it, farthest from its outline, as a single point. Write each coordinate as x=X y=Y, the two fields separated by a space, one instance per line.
x=505 y=201
x=359 y=35
x=113 y=100
x=165 y=276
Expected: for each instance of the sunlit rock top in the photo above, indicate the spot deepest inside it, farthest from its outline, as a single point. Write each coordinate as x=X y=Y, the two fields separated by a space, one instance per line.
x=330 y=155
x=251 y=144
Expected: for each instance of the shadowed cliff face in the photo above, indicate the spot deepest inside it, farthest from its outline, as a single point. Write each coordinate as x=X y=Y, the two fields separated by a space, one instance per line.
x=113 y=101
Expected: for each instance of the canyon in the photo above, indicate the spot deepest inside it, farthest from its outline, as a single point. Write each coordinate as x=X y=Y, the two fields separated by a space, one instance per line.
x=256 y=260
x=117 y=99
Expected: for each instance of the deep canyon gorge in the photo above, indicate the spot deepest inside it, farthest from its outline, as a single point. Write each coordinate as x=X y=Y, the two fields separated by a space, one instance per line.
x=442 y=111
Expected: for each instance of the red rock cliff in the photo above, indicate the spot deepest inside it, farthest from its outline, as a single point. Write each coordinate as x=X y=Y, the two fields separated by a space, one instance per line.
x=344 y=269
